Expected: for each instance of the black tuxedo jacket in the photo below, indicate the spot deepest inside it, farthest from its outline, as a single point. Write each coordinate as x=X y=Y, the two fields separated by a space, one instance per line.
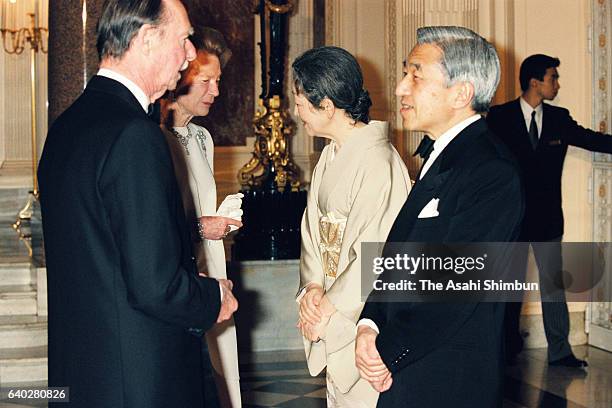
x=450 y=355
x=542 y=168
x=122 y=284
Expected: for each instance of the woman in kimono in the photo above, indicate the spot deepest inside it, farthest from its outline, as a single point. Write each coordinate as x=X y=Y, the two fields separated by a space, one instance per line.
x=191 y=147
x=357 y=189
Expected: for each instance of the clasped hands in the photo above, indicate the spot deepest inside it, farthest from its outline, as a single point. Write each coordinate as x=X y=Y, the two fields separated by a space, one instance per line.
x=368 y=361
x=315 y=312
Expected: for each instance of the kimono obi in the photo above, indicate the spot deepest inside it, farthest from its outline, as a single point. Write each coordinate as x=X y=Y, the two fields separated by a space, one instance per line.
x=331 y=230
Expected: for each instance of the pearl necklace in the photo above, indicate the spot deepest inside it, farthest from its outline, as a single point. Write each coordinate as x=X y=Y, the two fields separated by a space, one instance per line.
x=184 y=139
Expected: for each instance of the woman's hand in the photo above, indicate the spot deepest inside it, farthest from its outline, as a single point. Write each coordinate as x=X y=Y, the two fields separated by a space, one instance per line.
x=317 y=331
x=309 y=305
x=215 y=227
x=314 y=332
x=315 y=313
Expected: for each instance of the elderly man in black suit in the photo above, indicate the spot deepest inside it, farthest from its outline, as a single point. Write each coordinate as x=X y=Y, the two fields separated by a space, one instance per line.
x=127 y=308
x=539 y=134
x=431 y=354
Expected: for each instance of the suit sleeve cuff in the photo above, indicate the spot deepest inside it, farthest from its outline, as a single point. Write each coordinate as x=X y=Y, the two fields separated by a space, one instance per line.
x=370 y=323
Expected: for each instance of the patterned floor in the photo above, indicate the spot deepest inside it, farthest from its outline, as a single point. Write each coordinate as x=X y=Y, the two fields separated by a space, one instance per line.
x=284 y=384
x=280 y=379
x=530 y=384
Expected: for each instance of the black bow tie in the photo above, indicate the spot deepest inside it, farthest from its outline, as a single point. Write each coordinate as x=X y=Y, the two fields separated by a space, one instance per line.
x=425 y=147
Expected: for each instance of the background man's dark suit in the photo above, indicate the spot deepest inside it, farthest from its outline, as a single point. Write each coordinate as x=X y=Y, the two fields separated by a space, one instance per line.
x=543 y=167
x=541 y=170
x=123 y=287
x=480 y=196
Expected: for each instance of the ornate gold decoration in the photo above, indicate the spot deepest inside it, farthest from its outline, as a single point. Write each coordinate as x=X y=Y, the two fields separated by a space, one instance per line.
x=602 y=40
x=331 y=231
x=33 y=35
x=603 y=126
x=279 y=9
x=602 y=190
x=36 y=37
x=272 y=126
x=602 y=84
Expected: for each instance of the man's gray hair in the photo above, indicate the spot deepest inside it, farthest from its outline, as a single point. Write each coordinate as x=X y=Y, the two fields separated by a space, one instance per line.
x=120 y=22
x=466 y=57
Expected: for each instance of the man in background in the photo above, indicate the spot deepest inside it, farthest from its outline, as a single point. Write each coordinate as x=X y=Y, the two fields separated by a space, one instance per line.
x=539 y=134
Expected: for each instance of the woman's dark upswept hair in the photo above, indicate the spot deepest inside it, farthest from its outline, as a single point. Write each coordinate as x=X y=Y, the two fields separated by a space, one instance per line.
x=121 y=20
x=333 y=73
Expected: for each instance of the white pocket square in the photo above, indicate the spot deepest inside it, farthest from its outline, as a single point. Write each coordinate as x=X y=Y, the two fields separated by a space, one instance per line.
x=430 y=210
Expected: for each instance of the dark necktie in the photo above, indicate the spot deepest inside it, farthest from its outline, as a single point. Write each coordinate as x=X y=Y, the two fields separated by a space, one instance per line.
x=533 y=131
x=154 y=112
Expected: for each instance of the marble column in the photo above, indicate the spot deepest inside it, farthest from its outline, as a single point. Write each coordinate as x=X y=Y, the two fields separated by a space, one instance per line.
x=73 y=57
x=72 y=60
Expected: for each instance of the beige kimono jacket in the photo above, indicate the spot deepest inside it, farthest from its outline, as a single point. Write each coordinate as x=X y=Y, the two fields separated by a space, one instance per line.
x=355 y=195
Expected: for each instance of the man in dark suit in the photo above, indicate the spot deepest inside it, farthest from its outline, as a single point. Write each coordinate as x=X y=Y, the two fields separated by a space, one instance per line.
x=126 y=305
x=539 y=134
x=446 y=354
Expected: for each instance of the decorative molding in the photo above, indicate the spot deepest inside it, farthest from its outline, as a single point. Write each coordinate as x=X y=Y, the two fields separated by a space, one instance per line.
x=602 y=70
x=600 y=315
x=330 y=37
x=602 y=203
x=391 y=69
x=452 y=12
x=601 y=310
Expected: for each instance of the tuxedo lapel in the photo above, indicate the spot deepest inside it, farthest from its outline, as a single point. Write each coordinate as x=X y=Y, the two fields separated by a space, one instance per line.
x=429 y=187
x=419 y=196
x=433 y=184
